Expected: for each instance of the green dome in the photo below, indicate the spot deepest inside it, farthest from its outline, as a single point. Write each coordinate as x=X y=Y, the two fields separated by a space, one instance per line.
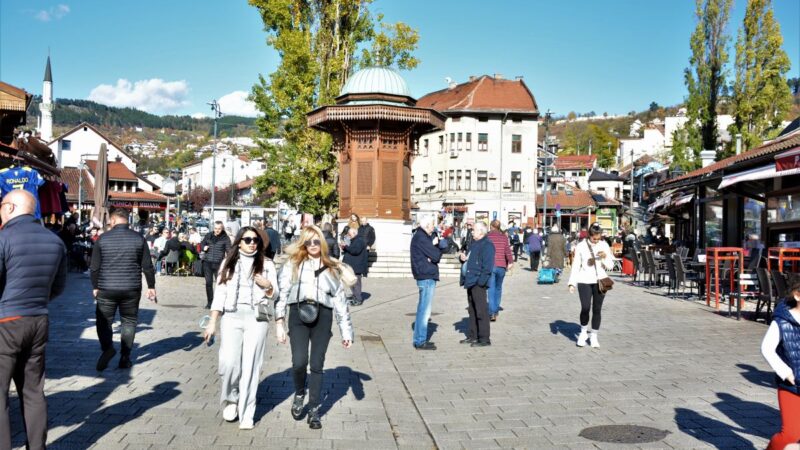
x=376 y=80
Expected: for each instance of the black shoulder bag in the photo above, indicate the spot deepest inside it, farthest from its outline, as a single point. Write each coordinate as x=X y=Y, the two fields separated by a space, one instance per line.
x=308 y=308
x=603 y=284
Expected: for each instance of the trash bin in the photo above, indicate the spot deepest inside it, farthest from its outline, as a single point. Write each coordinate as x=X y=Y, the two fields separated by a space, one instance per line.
x=627 y=266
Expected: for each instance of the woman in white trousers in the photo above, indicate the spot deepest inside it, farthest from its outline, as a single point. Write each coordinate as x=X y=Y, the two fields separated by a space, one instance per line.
x=246 y=279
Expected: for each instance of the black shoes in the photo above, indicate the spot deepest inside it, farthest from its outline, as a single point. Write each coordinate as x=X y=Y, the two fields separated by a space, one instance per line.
x=481 y=344
x=313 y=418
x=105 y=358
x=355 y=302
x=297 y=407
x=426 y=346
x=125 y=362
x=467 y=341
x=493 y=318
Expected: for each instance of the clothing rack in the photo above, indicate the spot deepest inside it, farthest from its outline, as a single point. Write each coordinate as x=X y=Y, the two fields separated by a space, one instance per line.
x=14 y=156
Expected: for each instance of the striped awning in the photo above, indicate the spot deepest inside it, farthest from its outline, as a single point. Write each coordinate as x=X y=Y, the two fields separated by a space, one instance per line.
x=759 y=173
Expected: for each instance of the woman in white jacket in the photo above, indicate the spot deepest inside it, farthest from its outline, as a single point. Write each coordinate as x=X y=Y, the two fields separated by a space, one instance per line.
x=246 y=279
x=592 y=258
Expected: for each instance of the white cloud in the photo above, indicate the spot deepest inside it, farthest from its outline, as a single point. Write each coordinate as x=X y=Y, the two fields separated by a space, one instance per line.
x=154 y=95
x=237 y=104
x=199 y=115
x=52 y=13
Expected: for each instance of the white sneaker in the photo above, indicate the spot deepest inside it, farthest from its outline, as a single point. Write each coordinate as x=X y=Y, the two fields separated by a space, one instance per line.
x=593 y=341
x=582 y=338
x=230 y=413
x=246 y=425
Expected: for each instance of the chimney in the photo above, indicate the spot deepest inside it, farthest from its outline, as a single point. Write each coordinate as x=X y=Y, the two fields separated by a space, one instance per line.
x=738 y=143
x=452 y=85
x=498 y=76
x=518 y=77
x=472 y=78
x=707 y=157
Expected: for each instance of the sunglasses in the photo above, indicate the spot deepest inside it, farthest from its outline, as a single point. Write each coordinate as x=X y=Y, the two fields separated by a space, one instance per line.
x=251 y=240
x=312 y=243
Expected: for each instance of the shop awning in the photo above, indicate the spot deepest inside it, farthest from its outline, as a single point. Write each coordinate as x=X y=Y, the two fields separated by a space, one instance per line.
x=682 y=200
x=663 y=200
x=788 y=160
x=759 y=173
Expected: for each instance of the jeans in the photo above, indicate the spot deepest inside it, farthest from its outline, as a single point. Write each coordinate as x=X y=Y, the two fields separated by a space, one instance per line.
x=496 y=289
x=22 y=346
x=426 y=290
x=210 y=272
x=590 y=298
x=243 y=341
x=107 y=304
x=478 y=315
x=317 y=335
x=535 y=254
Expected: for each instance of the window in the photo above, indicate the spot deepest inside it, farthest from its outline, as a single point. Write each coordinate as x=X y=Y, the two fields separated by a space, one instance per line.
x=441 y=144
x=516 y=181
x=451 y=185
x=425 y=179
x=458 y=180
x=483 y=119
x=516 y=143
x=412 y=182
x=440 y=185
x=66 y=144
x=469 y=141
x=468 y=180
x=483 y=142
x=483 y=184
x=452 y=141
x=460 y=142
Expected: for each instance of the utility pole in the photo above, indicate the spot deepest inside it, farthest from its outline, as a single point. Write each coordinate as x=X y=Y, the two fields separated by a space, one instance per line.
x=217 y=114
x=547 y=116
x=633 y=228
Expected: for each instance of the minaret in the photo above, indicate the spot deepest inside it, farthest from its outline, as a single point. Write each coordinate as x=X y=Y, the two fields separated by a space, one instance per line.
x=46 y=107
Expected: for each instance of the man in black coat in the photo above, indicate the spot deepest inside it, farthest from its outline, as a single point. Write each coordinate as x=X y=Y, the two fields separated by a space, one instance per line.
x=119 y=258
x=215 y=245
x=356 y=256
x=425 y=257
x=33 y=271
x=274 y=247
x=475 y=274
x=330 y=239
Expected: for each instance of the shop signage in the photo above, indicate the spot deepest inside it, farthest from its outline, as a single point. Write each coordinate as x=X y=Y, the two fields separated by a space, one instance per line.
x=563 y=179
x=788 y=160
x=132 y=205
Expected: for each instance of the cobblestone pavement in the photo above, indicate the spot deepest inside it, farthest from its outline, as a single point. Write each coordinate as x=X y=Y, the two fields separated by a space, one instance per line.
x=673 y=365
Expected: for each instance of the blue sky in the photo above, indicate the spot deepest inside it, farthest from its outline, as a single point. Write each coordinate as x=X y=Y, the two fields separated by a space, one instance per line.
x=175 y=55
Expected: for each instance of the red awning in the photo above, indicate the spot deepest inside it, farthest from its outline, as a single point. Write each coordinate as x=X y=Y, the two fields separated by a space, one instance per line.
x=788 y=160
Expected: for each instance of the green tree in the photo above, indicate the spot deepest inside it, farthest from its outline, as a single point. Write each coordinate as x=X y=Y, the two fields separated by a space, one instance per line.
x=682 y=154
x=394 y=46
x=761 y=95
x=706 y=75
x=653 y=107
x=794 y=85
x=317 y=43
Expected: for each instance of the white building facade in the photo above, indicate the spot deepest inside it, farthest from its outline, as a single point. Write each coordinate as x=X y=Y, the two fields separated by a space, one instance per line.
x=483 y=165
x=230 y=169
x=83 y=143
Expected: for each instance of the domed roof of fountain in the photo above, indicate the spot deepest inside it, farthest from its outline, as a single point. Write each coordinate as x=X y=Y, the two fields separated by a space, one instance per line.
x=375 y=80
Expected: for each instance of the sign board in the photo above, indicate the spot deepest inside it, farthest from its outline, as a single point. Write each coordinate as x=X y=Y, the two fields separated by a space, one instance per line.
x=246 y=218
x=788 y=160
x=558 y=206
x=168 y=187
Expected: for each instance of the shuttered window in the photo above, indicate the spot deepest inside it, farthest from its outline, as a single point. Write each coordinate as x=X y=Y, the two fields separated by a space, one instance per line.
x=364 y=180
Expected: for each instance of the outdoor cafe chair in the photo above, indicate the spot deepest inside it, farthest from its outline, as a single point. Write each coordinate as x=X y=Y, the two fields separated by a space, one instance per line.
x=682 y=276
x=656 y=272
x=767 y=297
x=781 y=286
x=671 y=287
x=637 y=264
x=171 y=260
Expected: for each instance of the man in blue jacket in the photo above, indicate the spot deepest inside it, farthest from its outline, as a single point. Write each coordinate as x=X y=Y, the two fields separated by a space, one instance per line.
x=33 y=271
x=475 y=274
x=425 y=256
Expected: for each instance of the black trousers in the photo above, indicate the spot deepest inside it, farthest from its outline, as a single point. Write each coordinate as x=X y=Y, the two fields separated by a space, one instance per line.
x=316 y=335
x=107 y=304
x=591 y=298
x=535 y=254
x=22 y=345
x=478 y=314
x=517 y=248
x=210 y=271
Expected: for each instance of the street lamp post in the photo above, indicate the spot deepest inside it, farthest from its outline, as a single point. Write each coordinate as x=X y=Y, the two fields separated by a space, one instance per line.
x=217 y=114
x=547 y=116
x=631 y=199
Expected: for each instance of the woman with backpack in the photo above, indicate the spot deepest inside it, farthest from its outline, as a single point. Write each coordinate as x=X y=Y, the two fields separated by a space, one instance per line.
x=781 y=349
x=592 y=259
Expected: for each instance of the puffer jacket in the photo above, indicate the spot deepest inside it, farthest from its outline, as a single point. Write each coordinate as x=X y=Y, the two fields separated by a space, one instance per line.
x=241 y=288
x=217 y=246
x=33 y=267
x=789 y=348
x=480 y=264
x=327 y=289
x=119 y=258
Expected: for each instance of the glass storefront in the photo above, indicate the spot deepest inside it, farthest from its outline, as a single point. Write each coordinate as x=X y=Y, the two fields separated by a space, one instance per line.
x=713 y=223
x=784 y=208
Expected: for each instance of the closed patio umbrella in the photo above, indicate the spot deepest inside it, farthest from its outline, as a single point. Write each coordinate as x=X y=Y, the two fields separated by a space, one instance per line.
x=101 y=187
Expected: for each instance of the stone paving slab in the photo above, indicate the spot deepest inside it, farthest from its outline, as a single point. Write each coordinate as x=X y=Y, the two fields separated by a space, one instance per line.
x=670 y=364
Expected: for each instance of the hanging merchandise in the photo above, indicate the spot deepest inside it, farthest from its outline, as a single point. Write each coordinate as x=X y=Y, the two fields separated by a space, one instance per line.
x=26 y=178
x=49 y=198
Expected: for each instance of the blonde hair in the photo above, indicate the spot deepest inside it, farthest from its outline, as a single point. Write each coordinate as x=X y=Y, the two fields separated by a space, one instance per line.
x=298 y=253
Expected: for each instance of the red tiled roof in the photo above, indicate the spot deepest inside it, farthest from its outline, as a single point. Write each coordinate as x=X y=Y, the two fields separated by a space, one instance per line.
x=116 y=171
x=483 y=94
x=69 y=175
x=246 y=184
x=575 y=162
x=790 y=140
x=578 y=199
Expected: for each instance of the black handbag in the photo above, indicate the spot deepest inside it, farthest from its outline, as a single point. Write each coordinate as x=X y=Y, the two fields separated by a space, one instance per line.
x=309 y=308
x=603 y=284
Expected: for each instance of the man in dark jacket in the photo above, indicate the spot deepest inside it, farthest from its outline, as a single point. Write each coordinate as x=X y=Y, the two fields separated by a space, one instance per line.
x=425 y=256
x=119 y=259
x=475 y=275
x=33 y=271
x=274 y=247
x=215 y=245
x=333 y=247
x=534 y=249
x=357 y=257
